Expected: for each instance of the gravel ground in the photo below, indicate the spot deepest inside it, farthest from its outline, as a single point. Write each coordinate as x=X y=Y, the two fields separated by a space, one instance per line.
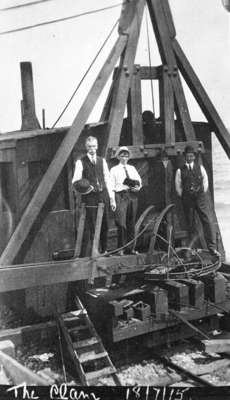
x=147 y=372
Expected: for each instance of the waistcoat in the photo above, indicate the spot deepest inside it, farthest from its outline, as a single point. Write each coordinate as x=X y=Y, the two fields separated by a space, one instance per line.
x=94 y=172
x=192 y=181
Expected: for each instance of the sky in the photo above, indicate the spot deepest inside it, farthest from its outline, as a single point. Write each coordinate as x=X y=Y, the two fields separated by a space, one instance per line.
x=60 y=54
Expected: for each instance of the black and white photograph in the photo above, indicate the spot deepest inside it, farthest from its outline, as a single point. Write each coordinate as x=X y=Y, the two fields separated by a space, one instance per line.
x=115 y=199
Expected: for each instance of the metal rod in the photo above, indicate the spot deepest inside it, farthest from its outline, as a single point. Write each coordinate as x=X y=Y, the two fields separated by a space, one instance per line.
x=180 y=369
x=194 y=328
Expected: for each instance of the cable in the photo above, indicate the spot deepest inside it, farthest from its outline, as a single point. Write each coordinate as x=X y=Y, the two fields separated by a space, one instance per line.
x=149 y=54
x=85 y=74
x=32 y=3
x=60 y=19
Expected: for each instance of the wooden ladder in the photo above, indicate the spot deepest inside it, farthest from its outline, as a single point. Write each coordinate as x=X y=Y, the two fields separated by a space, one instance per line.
x=84 y=346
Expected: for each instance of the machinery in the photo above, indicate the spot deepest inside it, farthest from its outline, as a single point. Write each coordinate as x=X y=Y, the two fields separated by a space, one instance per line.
x=43 y=255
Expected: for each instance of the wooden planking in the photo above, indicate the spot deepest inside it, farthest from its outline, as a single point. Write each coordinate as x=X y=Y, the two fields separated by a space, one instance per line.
x=124 y=79
x=135 y=108
x=63 y=152
x=202 y=98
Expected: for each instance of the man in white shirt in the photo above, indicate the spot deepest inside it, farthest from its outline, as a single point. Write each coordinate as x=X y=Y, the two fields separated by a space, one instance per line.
x=91 y=178
x=191 y=183
x=125 y=183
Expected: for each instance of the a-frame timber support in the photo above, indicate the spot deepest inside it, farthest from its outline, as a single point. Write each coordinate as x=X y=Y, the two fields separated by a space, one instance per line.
x=124 y=88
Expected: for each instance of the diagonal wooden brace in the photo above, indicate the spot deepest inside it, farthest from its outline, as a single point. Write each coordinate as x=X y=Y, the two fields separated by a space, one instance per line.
x=80 y=231
x=97 y=233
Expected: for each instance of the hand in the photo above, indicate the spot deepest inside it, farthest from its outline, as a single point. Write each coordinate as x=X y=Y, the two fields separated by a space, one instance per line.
x=135 y=189
x=113 y=204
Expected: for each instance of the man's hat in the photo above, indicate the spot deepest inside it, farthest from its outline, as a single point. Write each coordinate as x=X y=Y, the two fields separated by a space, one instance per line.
x=122 y=149
x=189 y=149
x=83 y=186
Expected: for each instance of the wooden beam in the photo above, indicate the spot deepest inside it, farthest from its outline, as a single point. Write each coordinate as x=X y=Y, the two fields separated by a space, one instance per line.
x=146 y=73
x=162 y=33
x=135 y=108
x=125 y=76
x=80 y=231
x=202 y=98
x=63 y=152
x=31 y=275
x=169 y=19
x=168 y=109
x=150 y=72
x=216 y=345
x=19 y=373
x=151 y=150
x=106 y=109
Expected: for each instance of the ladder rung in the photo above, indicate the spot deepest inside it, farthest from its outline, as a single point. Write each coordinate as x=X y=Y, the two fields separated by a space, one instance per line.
x=85 y=343
x=90 y=376
x=70 y=316
x=77 y=328
x=90 y=356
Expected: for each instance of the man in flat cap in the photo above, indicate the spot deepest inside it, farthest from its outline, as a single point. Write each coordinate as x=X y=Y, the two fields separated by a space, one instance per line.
x=125 y=183
x=191 y=183
x=91 y=179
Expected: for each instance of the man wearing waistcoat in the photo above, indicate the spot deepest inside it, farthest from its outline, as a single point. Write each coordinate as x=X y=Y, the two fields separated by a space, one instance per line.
x=91 y=178
x=191 y=183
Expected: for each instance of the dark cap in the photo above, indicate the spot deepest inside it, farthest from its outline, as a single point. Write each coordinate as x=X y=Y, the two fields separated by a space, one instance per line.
x=189 y=149
x=148 y=117
x=83 y=186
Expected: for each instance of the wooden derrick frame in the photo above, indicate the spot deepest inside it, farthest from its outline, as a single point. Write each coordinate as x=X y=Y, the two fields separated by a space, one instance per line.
x=173 y=60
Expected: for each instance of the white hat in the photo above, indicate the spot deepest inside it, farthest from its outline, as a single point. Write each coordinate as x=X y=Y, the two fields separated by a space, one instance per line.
x=121 y=150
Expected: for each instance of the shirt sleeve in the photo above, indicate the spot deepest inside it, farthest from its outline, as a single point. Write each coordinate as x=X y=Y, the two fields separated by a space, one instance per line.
x=78 y=171
x=107 y=178
x=112 y=180
x=178 y=183
x=205 y=178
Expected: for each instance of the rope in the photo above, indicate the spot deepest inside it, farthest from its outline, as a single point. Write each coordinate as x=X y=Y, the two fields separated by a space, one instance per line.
x=31 y=3
x=85 y=74
x=59 y=19
x=149 y=54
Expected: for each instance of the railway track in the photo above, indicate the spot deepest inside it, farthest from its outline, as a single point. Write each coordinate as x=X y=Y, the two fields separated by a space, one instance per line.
x=185 y=364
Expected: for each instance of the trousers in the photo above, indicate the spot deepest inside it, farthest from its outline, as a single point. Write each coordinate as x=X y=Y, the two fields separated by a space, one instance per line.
x=202 y=205
x=125 y=216
x=91 y=201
